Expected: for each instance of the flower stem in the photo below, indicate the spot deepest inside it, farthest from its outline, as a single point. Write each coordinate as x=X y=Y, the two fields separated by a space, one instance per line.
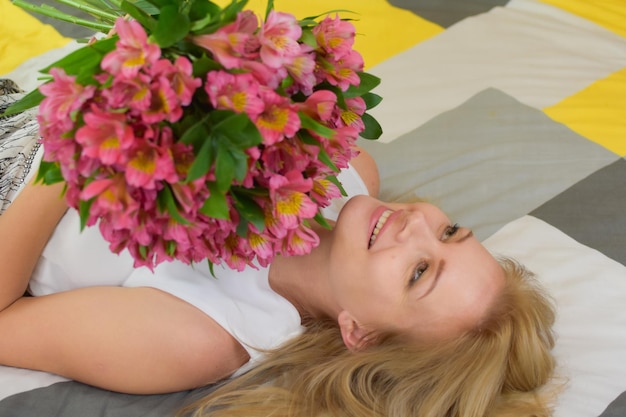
x=94 y=11
x=56 y=14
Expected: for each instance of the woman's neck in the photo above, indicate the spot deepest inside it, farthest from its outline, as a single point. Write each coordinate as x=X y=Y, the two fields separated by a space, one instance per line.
x=302 y=280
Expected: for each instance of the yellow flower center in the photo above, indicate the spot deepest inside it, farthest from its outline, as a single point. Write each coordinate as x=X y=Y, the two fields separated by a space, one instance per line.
x=290 y=205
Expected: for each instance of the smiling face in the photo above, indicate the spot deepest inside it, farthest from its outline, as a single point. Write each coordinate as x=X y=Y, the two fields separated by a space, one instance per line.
x=405 y=268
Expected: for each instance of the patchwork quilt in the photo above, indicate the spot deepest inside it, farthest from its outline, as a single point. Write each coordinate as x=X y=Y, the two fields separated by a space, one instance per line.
x=511 y=115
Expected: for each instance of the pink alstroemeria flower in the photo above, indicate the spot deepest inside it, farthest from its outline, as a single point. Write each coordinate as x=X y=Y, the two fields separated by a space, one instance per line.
x=180 y=77
x=279 y=118
x=105 y=136
x=64 y=96
x=237 y=92
x=126 y=92
x=132 y=52
x=320 y=105
x=352 y=115
x=152 y=161
x=261 y=244
x=232 y=43
x=279 y=39
x=235 y=252
x=111 y=196
x=300 y=241
x=335 y=36
x=148 y=166
x=290 y=201
x=342 y=72
x=164 y=103
x=323 y=191
x=302 y=69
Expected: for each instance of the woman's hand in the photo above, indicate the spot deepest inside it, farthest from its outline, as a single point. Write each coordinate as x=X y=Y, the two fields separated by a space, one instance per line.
x=25 y=228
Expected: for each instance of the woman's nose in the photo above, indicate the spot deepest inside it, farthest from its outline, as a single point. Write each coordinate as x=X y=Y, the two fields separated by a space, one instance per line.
x=414 y=225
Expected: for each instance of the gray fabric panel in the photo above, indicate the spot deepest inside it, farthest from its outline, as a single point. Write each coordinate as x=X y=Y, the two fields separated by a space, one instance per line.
x=73 y=399
x=617 y=408
x=447 y=12
x=487 y=162
x=592 y=211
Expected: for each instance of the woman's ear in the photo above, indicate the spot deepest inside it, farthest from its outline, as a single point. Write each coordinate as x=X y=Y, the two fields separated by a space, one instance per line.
x=354 y=335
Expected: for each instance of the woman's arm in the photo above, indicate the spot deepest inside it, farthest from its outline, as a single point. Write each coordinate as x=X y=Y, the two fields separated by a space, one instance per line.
x=368 y=171
x=133 y=340
x=25 y=228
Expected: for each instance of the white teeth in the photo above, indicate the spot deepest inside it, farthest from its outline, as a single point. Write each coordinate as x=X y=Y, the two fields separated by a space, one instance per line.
x=379 y=225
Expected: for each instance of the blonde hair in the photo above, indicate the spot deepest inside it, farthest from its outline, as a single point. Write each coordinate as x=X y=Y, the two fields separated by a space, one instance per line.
x=495 y=370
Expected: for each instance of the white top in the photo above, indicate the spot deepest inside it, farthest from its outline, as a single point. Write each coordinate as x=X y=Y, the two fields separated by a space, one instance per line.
x=241 y=302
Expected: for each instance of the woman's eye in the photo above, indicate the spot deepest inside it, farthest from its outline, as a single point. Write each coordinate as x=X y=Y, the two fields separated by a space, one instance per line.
x=417 y=273
x=450 y=231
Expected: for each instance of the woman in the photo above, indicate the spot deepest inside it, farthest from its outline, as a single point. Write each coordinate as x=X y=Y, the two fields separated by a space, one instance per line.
x=397 y=312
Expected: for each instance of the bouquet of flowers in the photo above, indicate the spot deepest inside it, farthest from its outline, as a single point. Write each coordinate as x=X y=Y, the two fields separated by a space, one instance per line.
x=195 y=132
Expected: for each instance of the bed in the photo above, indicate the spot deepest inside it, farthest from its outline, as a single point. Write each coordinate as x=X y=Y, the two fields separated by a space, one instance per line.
x=511 y=115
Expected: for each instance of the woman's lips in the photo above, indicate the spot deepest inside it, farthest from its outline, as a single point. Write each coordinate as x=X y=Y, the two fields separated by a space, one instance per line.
x=379 y=219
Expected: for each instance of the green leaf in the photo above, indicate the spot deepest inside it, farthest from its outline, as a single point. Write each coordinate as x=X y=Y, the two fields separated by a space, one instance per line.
x=321 y=220
x=170 y=247
x=269 y=8
x=224 y=168
x=147 y=6
x=167 y=200
x=29 y=101
x=244 y=134
x=368 y=83
x=335 y=180
x=307 y=122
x=84 y=62
x=329 y=12
x=49 y=173
x=372 y=130
x=83 y=210
x=240 y=160
x=216 y=205
x=203 y=9
x=229 y=13
x=144 y=18
x=143 y=251
x=250 y=210
x=228 y=121
x=211 y=268
x=308 y=38
x=197 y=134
x=203 y=65
x=171 y=27
x=160 y=4
x=197 y=25
x=242 y=227
x=203 y=161
x=325 y=158
x=371 y=100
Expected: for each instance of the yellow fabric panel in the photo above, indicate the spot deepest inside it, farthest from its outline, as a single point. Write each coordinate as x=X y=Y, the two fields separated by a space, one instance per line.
x=598 y=112
x=22 y=37
x=382 y=30
x=611 y=14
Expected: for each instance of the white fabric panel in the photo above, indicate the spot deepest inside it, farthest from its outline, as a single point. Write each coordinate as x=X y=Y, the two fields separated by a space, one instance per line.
x=590 y=292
